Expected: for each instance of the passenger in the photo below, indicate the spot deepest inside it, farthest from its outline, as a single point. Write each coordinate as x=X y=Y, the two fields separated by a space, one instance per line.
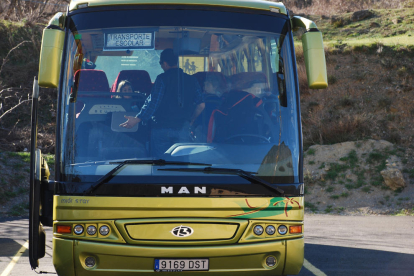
x=125 y=87
x=174 y=104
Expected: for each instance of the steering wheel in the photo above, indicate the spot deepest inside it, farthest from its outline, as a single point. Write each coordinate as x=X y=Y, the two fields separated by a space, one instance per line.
x=249 y=136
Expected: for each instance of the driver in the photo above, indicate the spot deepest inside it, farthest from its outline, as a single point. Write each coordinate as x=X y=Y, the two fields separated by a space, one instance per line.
x=240 y=112
x=175 y=102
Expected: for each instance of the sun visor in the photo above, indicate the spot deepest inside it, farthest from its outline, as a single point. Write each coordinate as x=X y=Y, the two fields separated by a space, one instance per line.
x=187 y=45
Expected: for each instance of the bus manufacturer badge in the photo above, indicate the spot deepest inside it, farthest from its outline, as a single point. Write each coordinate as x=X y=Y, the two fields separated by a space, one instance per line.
x=182 y=231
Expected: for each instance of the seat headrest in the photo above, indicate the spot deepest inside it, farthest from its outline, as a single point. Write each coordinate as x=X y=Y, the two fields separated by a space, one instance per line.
x=91 y=80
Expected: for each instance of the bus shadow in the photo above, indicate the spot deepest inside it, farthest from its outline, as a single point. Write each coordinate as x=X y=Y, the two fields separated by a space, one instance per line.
x=13 y=229
x=336 y=260
x=9 y=247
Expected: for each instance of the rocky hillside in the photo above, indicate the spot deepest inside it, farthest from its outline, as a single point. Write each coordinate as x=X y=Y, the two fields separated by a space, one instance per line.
x=363 y=177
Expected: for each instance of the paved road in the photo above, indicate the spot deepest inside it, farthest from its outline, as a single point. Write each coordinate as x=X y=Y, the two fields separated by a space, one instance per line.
x=335 y=245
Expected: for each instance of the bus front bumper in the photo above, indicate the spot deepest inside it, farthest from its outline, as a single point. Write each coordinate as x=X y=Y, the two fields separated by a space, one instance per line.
x=247 y=259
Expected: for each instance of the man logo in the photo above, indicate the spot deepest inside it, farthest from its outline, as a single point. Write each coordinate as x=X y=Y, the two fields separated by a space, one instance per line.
x=182 y=231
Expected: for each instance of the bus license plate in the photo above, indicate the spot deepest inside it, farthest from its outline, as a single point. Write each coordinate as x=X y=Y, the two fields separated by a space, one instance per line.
x=177 y=265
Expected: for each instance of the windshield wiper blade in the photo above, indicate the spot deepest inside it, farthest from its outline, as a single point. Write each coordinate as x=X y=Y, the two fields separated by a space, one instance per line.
x=157 y=162
x=244 y=174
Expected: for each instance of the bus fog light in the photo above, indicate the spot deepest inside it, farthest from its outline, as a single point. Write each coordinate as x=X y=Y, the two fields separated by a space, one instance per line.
x=270 y=230
x=104 y=230
x=91 y=230
x=90 y=261
x=258 y=230
x=282 y=230
x=78 y=229
x=270 y=261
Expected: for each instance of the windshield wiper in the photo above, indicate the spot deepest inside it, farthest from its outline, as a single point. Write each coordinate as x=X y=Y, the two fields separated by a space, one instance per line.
x=158 y=162
x=244 y=174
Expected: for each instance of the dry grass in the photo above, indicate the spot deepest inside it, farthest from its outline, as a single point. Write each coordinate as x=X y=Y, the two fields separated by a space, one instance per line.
x=321 y=130
x=371 y=97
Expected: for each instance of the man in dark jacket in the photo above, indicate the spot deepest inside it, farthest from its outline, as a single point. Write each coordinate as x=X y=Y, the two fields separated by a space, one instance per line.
x=176 y=100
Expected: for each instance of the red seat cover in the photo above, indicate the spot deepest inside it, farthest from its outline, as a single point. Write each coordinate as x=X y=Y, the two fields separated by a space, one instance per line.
x=91 y=80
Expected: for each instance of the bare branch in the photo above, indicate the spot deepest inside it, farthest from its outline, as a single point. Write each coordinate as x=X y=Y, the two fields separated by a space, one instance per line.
x=5 y=59
x=14 y=107
x=3 y=90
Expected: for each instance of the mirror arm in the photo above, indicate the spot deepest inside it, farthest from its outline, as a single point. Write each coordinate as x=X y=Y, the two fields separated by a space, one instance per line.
x=57 y=21
x=301 y=22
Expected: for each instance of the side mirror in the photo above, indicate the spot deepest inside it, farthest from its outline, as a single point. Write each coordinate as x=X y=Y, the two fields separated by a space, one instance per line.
x=313 y=52
x=51 y=52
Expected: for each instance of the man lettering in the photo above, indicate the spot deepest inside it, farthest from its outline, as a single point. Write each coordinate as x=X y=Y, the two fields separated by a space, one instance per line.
x=201 y=190
x=183 y=190
x=165 y=190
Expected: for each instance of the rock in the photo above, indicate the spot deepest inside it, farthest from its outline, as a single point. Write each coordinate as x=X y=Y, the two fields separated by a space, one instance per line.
x=361 y=15
x=337 y=21
x=396 y=21
x=363 y=31
x=393 y=178
x=374 y=25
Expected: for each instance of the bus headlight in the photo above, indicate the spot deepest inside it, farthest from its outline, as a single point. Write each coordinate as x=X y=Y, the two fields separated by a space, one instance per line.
x=91 y=230
x=104 y=230
x=282 y=229
x=258 y=230
x=78 y=229
x=270 y=230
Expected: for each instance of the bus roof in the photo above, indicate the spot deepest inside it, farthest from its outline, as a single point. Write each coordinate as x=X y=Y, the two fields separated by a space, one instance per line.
x=251 y=4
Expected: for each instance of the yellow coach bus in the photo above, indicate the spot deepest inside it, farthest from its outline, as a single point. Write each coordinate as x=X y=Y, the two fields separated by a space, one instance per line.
x=178 y=140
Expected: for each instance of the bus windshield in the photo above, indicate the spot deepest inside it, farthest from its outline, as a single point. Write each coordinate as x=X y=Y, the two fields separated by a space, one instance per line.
x=223 y=97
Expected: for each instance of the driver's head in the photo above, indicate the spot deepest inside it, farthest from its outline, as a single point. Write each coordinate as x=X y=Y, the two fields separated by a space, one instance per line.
x=212 y=85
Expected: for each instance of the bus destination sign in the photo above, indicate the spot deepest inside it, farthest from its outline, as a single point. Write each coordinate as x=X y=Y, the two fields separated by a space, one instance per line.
x=128 y=41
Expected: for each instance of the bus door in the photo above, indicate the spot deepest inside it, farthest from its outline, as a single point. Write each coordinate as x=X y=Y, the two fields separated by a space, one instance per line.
x=41 y=193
